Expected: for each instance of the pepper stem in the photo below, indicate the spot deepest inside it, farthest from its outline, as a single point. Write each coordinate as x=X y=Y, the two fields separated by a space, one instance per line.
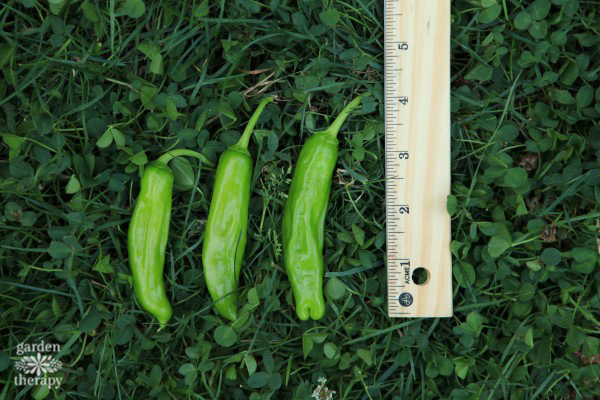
x=171 y=154
x=245 y=139
x=335 y=127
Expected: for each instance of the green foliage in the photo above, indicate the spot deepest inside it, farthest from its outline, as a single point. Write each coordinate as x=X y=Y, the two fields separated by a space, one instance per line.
x=92 y=91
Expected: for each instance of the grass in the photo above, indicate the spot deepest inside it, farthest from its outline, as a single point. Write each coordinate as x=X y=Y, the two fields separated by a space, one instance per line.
x=91 y=91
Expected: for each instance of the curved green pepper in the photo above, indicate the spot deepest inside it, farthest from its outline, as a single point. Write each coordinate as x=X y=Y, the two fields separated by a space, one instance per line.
x=148 y=233
x=147 y=240
x=304 y=216
x=225 y=233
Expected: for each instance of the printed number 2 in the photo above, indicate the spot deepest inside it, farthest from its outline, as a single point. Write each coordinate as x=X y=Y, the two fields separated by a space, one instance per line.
x=403 y=210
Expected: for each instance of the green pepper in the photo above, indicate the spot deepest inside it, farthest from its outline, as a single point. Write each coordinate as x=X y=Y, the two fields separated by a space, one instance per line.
x=225 y=233
x=304 y=216
x=148 y=233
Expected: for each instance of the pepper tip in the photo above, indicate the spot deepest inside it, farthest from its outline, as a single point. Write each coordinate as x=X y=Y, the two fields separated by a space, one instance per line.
x=228 y=311
x=314 y=311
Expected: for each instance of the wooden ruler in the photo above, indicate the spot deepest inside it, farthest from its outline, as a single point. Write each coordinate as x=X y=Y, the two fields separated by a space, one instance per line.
x=417 y=133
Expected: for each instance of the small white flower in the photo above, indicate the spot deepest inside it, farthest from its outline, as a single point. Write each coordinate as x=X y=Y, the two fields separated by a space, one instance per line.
x=322 y=392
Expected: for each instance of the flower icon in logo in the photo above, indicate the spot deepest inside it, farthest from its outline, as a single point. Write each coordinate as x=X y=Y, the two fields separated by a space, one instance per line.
x=38 y=364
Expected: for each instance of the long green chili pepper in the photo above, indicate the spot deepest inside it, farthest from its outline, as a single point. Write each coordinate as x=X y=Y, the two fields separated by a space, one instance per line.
x=148 y=233
x=304 y=216
x=225 y=233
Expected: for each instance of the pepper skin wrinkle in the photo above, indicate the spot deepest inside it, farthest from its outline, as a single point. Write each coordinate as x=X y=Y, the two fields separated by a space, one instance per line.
x=304 y=217
x=226 y=228
x=147 y=240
